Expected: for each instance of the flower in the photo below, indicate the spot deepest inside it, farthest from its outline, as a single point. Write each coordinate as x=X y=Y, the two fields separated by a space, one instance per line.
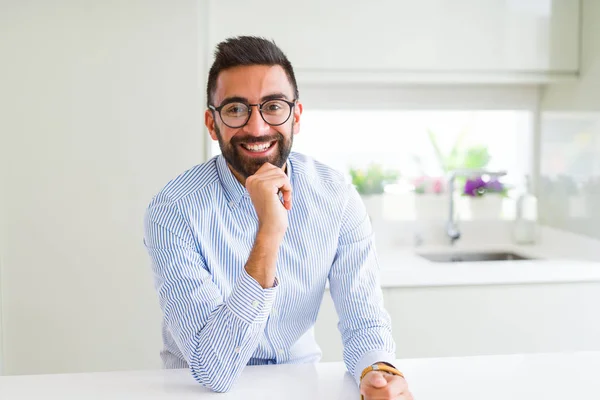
x=478 y=187
x=438 y=186
x=494 y=186
x=474 y=187
x=427 y=185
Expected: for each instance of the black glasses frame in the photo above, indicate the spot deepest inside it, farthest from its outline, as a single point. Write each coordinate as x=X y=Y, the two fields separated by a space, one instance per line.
x=292 y=104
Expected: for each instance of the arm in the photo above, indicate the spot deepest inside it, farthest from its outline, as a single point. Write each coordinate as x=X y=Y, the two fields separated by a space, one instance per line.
x=356 y=292
x=217 y=336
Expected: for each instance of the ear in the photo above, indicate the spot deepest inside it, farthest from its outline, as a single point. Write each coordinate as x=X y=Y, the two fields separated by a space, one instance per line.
x=209 y=121
x=297 y=113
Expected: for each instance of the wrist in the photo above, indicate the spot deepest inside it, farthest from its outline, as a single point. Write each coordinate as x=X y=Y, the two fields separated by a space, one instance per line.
x=269 y=236
x=381 y=367
x=262 y=262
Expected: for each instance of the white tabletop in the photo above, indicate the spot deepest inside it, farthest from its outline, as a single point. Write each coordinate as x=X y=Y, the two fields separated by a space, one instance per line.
x=515 y=377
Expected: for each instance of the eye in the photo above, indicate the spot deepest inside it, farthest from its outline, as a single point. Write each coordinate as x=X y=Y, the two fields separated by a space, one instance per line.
x=235 y=109
x=273 y=107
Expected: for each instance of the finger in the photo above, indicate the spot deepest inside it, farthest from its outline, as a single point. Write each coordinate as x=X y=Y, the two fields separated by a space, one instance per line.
x=395 y=387
x=266 y=178
x=266 y=167
x=287 y=196
x=376 y=379
x=397 y=383
x=269 y=173
x=278 y=183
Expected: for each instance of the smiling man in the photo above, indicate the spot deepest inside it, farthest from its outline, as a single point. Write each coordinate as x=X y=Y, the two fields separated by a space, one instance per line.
x=243 y=245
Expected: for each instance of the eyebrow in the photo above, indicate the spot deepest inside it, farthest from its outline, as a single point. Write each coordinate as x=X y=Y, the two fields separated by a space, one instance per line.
x=268 y=97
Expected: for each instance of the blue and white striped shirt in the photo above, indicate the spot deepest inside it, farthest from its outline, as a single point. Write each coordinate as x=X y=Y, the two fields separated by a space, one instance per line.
x=199 y=230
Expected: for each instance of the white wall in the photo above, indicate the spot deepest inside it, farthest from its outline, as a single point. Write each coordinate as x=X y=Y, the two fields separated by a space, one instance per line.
x=570 y=140
x=102 y=103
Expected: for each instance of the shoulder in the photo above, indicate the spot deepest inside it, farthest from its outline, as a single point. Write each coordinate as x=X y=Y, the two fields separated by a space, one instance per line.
x=320 y=185
x=197 y=181
x=308 y=169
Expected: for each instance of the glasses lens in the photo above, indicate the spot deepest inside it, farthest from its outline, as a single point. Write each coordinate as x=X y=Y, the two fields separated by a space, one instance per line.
x=275 y=112
x=235 y=114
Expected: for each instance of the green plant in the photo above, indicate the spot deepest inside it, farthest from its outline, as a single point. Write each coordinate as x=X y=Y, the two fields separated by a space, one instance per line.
x=476 y=157
x=453 y=159
x=473 y=157
x=459 y=156
x=372 y=179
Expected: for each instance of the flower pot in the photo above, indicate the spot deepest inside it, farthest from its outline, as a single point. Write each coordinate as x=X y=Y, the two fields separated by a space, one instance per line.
x=488 y=206
x=431 y=206
x=374 y=205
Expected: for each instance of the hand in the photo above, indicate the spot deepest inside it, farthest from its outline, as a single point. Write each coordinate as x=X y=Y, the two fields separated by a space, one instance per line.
x=377 y=385
x=264 y=187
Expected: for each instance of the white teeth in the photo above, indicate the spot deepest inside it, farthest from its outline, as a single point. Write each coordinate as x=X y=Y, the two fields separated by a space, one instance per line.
x=257 y=147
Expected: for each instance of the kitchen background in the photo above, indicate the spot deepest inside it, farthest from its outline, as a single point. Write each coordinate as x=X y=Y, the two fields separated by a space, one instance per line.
x=102 y=103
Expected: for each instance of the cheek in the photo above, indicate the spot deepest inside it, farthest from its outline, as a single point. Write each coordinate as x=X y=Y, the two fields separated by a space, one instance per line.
x=226 y=133
x=287 y=129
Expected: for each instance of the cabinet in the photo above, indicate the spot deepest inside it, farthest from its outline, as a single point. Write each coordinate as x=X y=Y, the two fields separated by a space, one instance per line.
x=329 y=39
x=461 y=321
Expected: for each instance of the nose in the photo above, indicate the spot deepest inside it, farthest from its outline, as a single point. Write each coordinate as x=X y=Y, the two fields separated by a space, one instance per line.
x=256 y=126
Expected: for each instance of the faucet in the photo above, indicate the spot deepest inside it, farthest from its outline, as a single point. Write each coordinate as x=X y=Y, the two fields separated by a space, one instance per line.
x=451 y=228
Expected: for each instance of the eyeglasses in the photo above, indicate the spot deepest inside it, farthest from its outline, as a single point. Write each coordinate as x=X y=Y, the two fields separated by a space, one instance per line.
x=236 y=114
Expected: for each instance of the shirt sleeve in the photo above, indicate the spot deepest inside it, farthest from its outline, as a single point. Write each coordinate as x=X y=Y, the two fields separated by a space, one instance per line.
x=355 y=288
x=216 y=335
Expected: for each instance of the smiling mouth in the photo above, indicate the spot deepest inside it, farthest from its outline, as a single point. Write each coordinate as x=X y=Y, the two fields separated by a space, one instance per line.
x=258 y=147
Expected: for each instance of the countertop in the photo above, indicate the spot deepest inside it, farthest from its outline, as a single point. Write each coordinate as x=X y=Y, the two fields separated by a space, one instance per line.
x=515 y=377
x=403 y=267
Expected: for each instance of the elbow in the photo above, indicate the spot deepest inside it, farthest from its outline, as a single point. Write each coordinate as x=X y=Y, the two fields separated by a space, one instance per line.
x=219 y=387
x=214 y=379
x=222 y=386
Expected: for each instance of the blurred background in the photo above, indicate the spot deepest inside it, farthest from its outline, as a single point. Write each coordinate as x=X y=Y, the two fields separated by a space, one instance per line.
x=102 y=103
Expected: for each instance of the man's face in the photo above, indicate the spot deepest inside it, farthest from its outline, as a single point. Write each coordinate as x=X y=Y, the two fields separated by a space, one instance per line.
x=247 y=148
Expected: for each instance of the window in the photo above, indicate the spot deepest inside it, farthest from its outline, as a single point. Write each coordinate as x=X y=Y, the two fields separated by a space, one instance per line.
x=402 y=140
x=400 y=128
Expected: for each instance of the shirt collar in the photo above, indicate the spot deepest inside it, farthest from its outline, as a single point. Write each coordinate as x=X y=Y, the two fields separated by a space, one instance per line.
x=234 y=190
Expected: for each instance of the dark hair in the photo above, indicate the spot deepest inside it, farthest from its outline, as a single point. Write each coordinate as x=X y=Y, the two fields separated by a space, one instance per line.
x=247 y=50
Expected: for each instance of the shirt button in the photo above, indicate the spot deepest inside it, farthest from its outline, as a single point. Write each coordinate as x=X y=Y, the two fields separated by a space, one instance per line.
x=255 y=304
x=237 y=350
x=273 y=312
x=232 y=203
x=281 y=352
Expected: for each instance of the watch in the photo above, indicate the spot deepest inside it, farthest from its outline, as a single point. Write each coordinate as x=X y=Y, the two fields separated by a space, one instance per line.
x=380 y=367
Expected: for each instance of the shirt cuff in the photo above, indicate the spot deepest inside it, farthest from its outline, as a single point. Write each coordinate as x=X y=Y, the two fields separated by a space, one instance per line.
x=249 y=301
x=371 y=358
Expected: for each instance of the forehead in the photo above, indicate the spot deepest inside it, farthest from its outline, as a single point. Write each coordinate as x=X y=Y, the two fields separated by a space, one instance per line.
x=252 y=82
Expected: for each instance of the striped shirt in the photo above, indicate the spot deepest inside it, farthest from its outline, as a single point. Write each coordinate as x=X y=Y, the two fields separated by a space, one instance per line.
x=199 y=230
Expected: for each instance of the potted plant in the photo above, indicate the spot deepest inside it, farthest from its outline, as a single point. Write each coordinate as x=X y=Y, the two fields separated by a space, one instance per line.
x=430 y=201
x=370 y=182
x=485 y=196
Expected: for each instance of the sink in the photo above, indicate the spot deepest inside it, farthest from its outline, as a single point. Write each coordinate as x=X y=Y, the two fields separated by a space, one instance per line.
x=473 y=256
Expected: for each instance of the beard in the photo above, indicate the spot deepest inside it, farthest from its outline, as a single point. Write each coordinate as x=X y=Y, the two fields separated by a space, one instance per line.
x=247 y=166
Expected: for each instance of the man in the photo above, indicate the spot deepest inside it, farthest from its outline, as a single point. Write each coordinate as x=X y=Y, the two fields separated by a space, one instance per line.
x=242 y=246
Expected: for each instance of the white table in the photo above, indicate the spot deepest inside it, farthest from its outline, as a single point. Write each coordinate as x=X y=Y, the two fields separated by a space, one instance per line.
x=572 y=376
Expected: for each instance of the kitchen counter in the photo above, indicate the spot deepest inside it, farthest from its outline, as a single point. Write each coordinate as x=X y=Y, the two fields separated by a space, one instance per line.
x=560 y=257
x=403 y=267
x=515 y=377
